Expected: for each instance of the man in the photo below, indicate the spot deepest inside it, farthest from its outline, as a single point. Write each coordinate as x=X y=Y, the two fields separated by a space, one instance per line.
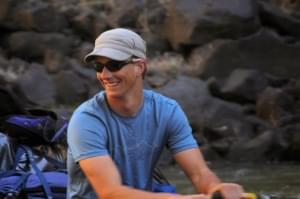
x=115 y=138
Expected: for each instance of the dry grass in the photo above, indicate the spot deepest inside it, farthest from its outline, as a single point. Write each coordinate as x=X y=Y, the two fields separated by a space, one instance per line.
x=170 y=64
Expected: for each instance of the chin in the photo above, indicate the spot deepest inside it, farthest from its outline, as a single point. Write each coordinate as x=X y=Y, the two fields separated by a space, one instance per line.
x=114 y=94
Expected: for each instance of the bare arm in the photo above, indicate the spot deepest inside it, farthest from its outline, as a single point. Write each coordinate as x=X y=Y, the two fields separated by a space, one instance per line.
x=196 y=169
x=203 y=179
x=104 y=177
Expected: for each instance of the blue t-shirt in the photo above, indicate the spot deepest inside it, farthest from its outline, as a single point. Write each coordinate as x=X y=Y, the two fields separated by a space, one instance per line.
x=134 y=143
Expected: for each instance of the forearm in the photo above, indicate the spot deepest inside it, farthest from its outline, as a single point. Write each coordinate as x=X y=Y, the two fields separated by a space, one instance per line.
x=108 y=185
x=196 y=169
x=206 y=181
x=203 y=179
x=212 y=184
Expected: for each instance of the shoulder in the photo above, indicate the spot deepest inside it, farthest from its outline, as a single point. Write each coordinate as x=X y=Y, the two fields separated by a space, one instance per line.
x=92 y=105
x=163 y=105
x=92 y=108
x=87 y=119
x=158 y=98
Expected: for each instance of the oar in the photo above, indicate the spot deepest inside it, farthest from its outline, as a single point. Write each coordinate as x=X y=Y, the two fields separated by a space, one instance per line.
x=218 y=195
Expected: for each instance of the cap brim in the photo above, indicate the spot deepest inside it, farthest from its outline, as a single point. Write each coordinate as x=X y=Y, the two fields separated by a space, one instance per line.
x=107 y=52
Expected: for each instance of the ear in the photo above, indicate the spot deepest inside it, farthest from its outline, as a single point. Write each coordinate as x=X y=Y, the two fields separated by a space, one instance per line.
x=140 y=68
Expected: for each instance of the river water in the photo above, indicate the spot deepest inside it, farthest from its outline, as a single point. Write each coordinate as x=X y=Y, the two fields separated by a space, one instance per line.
x=272 y=179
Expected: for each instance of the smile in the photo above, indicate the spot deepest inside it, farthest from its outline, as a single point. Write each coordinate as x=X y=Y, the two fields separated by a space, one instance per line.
x=111 y=84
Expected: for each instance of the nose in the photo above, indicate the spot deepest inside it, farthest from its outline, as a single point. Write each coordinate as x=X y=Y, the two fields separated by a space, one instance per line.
x=105 y=73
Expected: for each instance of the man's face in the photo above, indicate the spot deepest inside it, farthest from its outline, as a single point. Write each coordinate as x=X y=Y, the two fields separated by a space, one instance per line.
x=118 y=78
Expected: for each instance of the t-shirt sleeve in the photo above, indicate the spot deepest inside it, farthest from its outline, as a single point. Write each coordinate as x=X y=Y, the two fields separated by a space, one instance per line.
x=180 y=132
x=86 y=136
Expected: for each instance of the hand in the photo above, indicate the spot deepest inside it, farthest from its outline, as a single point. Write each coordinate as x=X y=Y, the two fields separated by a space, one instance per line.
x=228 y=191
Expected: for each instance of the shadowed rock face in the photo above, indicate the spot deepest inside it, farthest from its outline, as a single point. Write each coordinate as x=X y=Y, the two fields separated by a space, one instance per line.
x=232 y=65
x=264 y=51
x=195 y=22
x=282 y=15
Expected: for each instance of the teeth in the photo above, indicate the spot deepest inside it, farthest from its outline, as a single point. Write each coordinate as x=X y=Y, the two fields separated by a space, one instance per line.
x=111 y=84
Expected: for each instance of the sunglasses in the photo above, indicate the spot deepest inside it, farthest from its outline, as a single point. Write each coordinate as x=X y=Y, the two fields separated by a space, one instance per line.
x=112 y=65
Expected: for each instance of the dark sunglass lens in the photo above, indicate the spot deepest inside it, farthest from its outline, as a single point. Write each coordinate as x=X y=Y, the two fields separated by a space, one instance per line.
x=115 y=65
x=98 y=67
x=112 y=65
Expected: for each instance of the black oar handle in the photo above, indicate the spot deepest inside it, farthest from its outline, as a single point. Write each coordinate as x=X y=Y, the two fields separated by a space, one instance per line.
x=217 y=195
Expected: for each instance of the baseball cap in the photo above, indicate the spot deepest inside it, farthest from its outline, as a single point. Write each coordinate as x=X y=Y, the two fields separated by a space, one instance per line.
x=118 y=44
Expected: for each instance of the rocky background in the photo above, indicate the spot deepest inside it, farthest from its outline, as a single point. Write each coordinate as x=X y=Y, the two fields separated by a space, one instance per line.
x=233 y=65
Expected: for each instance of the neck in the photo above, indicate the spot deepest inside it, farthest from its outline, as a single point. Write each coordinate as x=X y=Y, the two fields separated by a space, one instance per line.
x=128 y=105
